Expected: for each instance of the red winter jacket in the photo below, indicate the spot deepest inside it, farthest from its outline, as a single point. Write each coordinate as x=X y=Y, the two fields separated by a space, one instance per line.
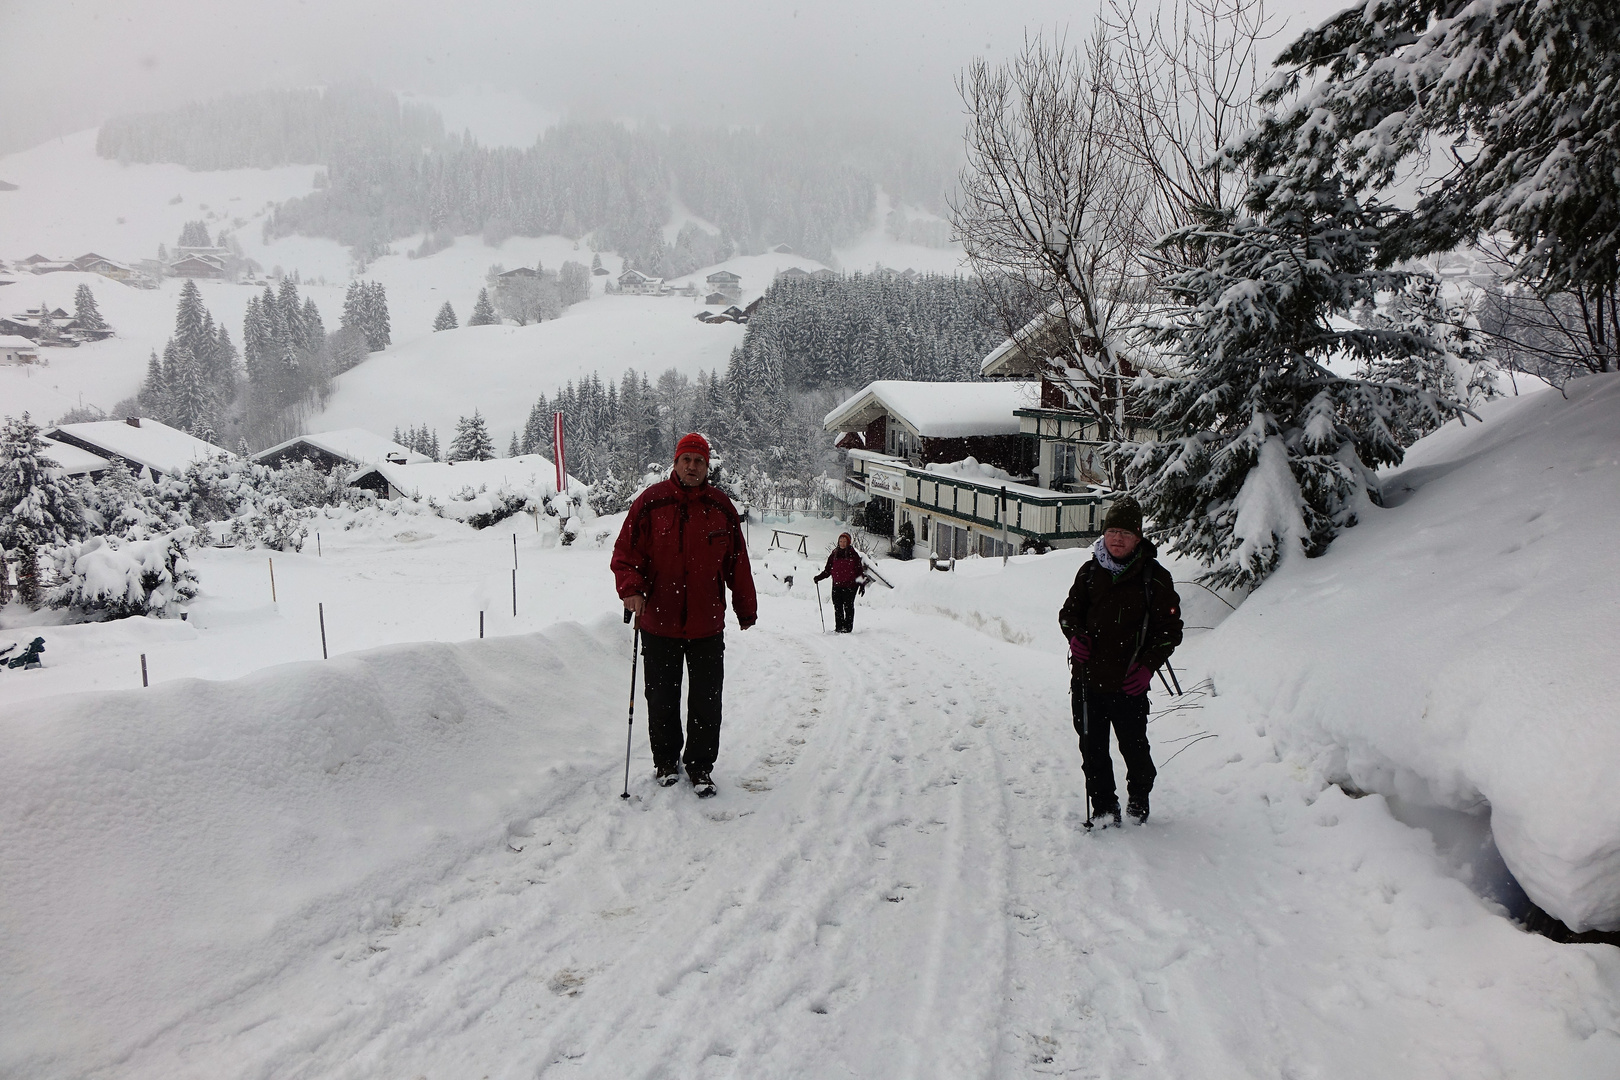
x=681 y=548
x=844 y=566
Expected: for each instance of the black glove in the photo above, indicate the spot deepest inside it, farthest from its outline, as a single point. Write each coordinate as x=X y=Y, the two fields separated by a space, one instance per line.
x=823 y=574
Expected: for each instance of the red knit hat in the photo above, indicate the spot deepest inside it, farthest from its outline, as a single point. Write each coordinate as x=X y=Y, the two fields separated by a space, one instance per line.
x=693 y=443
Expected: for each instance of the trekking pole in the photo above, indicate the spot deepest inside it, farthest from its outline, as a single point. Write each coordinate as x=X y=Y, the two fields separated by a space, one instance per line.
x=820 y=609
x=629 y=731
x=1173 y=678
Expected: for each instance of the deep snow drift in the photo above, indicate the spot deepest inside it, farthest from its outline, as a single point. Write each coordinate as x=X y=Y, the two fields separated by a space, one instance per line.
x=1457 y=648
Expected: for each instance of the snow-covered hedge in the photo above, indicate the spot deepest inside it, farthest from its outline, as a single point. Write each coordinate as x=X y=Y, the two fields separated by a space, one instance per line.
x=116 y=577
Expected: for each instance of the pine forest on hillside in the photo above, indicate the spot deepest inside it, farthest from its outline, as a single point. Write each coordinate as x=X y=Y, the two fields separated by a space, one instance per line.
x=392 y=171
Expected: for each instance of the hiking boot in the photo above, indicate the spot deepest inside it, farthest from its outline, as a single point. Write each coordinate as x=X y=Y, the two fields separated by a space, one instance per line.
x=1138 y=809
x=665 y=775
x=702 y=783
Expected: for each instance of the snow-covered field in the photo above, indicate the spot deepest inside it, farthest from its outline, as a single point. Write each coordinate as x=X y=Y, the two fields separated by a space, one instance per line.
x=412 y=860
x=70 y=202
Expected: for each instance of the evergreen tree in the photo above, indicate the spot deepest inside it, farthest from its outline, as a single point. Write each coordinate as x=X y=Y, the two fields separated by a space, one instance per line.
x=189 y=313
x=472 y=442
x=38 y=505
x=446 y=318
x=513 y=449
x=1457 y=368
x=483 y=313
x=374 y=306
x=354 y=307
x=1527 y=87
x=153 y=398
x=47 y=323
x=194 y=234
x=85 y=312
x=1263 y=449
x=314 y=326
x=193 y=406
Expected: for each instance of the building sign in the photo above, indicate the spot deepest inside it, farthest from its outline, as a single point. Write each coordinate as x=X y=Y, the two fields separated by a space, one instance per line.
x=885 y=482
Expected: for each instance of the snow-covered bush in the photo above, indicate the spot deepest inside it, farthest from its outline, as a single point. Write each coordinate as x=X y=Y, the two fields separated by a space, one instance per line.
x=133 y=507
x=274 y=522
x=483 y=508
x=115 y=577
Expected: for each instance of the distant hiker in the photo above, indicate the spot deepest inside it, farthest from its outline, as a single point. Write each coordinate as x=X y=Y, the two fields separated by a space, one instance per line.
x=846 y=569
x=680 y=548
x=1123 y=620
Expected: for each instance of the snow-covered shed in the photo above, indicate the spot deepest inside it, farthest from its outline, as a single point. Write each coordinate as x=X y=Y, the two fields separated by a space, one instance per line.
x=75 y=461
x=351 y=447
x=140 y=442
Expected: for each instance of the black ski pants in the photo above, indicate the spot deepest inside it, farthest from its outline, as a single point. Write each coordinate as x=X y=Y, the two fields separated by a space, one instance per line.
x=843 y=597
x=1095 y=712
x=705 y=660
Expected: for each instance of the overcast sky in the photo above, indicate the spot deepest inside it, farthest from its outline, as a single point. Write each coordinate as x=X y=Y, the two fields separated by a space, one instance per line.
x=69 y=64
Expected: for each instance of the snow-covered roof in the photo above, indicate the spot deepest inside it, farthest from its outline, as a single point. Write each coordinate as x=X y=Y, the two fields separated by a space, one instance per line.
x=938 y=410
x=354 y=445
x=16 y=341
x=443 y=480
x=156 y=445
x=75 y=461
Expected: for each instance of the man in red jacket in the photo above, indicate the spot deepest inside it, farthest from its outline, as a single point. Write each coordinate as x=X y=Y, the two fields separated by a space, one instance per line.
x=680 y=548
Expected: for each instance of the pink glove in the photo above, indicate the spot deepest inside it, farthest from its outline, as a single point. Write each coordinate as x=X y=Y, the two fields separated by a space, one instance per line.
x=1080 y=648
x=1137 y=680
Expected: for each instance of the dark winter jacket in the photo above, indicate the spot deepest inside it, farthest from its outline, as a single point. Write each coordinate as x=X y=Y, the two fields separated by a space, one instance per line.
x=844 y=566
x=1111 y=611
x=681 y=548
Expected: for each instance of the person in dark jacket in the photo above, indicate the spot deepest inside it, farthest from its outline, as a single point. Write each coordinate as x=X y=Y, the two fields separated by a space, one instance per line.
x=1123 y=620
x=845 y=568
x=680 y=549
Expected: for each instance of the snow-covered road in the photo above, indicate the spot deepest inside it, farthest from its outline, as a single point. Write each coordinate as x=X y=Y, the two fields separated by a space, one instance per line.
x=893 y=882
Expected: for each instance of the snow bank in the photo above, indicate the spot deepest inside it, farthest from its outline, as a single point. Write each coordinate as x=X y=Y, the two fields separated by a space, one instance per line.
x=180 y=843
x=1456 y=648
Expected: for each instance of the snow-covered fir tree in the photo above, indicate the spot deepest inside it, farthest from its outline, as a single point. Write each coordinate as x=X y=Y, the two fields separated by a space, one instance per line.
x=483 y=312
x=1263 y=449
x=1458 y=368
x=39 y=506
x=1527 y=87
x=472 y=442
x=47 y=322
x=194 y=234
x=85 y=312
x=514 y=448
x=446 y=318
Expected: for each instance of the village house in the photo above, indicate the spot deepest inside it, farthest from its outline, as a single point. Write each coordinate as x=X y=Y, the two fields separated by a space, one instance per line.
x=724 y=282
x=16 y=350
x=139 y=443
x=346 y=448
x=74 y=461
x=635 y=283
x=92 y=263
x=1069 y=439
x=193 y=265
x=951 y=461
x=446 y=480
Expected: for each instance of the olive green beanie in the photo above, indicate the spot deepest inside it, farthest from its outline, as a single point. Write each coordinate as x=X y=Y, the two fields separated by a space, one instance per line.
x=1124 y=513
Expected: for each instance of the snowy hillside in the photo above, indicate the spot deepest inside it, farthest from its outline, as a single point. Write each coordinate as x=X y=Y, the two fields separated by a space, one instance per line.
x=69 y=202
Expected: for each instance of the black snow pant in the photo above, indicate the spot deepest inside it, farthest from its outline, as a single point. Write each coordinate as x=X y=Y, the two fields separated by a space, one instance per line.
x=843 y=597
x=705 y=659
x=1095 y=711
